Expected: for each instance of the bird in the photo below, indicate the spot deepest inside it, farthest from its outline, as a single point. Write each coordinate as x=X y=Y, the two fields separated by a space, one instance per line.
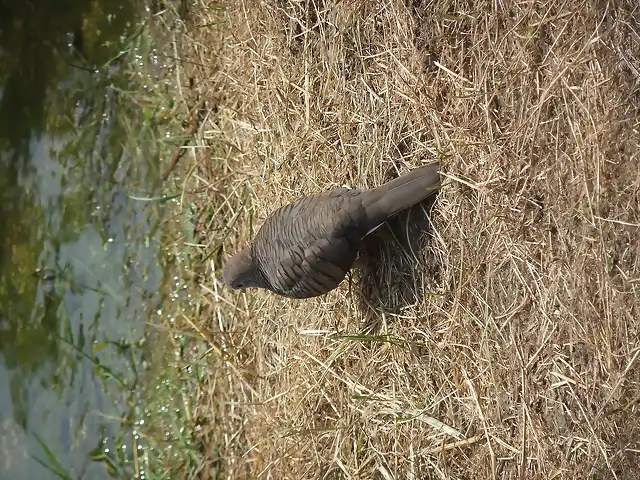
x=304 y=249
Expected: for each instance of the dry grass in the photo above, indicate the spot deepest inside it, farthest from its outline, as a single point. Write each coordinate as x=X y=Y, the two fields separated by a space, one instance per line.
x=506 y=345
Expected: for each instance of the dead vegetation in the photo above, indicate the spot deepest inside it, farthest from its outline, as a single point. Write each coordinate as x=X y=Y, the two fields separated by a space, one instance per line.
x=505 y=343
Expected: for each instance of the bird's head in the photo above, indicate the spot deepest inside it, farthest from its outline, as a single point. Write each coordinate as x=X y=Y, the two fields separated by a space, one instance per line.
x=240 y=271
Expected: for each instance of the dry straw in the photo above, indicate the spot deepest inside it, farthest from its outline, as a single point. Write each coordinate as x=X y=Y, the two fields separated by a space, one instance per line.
x=502 y=344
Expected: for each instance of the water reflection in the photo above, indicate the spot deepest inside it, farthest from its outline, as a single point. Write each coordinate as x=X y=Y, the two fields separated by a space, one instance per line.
x=80 y=262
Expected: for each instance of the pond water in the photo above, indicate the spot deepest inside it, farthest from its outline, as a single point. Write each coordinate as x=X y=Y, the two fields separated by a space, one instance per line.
x=81 y=258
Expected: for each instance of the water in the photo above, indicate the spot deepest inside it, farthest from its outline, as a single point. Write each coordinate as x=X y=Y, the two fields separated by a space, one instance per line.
x=80 y=260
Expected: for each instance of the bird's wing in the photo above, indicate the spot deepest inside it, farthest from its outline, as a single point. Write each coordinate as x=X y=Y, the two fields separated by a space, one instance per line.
x=316 y=269
x=306 y=248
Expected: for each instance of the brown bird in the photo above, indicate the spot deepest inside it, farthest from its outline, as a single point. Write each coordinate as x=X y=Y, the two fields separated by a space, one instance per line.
x=305 y=248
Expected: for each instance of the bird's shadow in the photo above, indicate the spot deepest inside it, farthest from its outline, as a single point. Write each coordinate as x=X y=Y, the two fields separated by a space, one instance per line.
x=396 y=265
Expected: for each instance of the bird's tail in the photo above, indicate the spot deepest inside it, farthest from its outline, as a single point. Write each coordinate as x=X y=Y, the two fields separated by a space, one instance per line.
x=401 y=193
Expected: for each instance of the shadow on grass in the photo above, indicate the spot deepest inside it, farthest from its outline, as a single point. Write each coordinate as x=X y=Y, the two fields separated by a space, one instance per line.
x=398 y=265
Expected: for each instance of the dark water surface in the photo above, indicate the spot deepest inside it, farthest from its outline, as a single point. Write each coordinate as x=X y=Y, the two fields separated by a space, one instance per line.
x=80 y=260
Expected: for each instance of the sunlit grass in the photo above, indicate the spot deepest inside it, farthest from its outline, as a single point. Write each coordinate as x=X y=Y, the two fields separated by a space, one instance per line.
x=508 y=349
